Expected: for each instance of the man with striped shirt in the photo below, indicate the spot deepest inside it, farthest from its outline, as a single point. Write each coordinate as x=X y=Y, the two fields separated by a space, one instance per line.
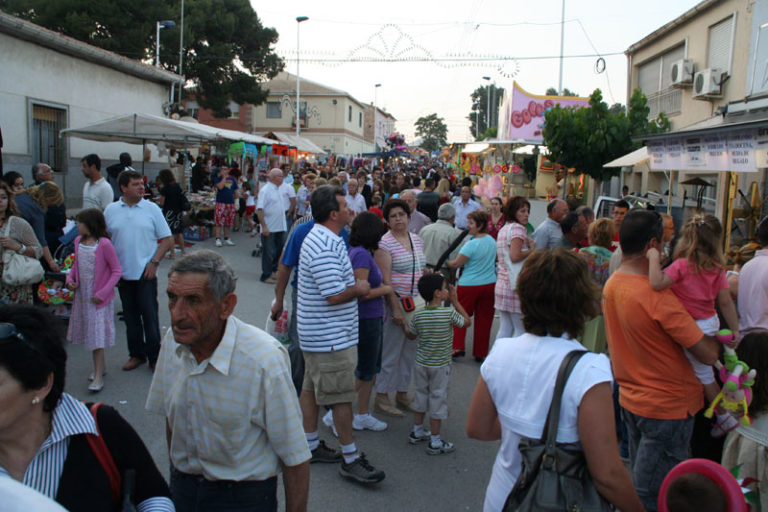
x=327 y=322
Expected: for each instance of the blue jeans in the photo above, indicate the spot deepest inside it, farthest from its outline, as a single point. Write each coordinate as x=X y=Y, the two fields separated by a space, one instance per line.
x=142 y=327
x=655 y=447
x=271 y=247
x=191 y=493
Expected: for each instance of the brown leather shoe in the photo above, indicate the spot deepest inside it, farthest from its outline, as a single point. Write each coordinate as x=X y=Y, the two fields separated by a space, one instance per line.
x=405 y=403
x=133 y=363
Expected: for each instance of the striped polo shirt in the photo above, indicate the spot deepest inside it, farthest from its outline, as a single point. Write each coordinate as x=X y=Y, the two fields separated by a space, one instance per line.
x=324 y=271
x=434 y=326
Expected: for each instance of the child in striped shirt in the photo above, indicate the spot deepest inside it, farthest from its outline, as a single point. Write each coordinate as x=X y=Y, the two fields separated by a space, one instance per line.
x=433 y=325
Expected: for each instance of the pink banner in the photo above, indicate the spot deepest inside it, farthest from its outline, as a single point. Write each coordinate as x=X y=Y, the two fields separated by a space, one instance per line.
x=527 y=116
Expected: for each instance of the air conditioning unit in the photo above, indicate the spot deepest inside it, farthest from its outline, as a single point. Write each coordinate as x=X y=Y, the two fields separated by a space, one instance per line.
x=707 y=84
x=681 y=73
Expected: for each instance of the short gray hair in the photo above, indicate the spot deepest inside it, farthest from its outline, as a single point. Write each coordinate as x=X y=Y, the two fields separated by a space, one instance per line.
x=221 y=277
x=446 y=211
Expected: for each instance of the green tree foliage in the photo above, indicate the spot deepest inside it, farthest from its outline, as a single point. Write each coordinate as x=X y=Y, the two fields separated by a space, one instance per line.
x=227 y=51
x=566 y=92
x=586 y=138
x=433 y=131
x=477 y=117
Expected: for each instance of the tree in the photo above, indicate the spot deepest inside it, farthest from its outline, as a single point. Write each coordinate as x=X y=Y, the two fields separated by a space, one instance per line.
x=227 y=51
x=566 y=92
x=433 y=131
x=586 y=138
x=477 y=115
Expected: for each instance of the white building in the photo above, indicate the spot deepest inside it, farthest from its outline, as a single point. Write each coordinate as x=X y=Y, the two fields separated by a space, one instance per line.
x=49 y=82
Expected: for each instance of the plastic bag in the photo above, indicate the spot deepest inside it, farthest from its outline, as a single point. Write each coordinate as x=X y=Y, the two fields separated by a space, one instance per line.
x=279 y=328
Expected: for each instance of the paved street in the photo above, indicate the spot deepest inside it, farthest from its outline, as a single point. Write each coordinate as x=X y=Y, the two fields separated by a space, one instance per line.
x=415 y=481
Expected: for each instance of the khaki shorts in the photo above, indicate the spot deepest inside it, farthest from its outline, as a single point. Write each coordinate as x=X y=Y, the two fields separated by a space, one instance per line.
x=331 y=376
x=430 y=386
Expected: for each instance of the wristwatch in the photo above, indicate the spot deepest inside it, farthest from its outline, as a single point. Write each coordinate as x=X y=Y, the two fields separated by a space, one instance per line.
x=22 y=249
x=156 y=262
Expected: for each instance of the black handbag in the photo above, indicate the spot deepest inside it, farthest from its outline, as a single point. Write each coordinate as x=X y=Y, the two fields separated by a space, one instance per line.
x=554 y=475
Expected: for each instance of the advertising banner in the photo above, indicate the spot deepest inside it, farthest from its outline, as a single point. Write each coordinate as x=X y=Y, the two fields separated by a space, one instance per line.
x=526 y=113
x=742 y=151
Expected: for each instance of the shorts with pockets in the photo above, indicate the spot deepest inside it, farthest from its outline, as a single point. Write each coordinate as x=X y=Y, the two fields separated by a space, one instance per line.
x=331 y=376
x=430 y=386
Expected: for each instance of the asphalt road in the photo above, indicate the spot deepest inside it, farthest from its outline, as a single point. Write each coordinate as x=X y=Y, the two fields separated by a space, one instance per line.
x=414 y=480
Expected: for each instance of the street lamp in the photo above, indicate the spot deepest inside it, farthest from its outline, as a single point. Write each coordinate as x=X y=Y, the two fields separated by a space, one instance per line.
x=488 y=104
x=158 y=26
x=375 y=115
x=299 y=19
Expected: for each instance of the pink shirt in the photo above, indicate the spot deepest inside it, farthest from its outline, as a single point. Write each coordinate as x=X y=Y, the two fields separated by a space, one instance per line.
x=403 y=279
x=106 y=274
x=697 y=291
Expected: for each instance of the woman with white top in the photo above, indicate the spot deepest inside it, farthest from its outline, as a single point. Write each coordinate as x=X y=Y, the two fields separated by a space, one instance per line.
x=517 y=381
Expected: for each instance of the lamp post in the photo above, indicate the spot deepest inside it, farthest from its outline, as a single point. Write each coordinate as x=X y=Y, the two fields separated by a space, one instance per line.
x=488 y=104
x=181 y=51
x=299 y=19
x=375 y=115
x=158 y=26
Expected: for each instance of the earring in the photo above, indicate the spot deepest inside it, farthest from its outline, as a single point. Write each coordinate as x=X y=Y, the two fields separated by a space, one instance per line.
x=36 y=400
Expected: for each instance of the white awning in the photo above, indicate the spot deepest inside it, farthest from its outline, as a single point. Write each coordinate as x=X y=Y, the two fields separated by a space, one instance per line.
x=638 y=156
x=302 y=144
x=477 y=147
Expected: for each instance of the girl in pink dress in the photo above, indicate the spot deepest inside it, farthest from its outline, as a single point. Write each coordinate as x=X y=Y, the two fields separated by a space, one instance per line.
x=94 y=275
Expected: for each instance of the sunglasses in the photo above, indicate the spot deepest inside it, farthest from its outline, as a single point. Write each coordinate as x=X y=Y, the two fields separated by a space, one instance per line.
x=9 y=333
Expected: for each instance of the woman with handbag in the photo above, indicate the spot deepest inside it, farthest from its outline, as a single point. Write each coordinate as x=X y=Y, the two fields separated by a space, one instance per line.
x=512 y=247
x=83 y=457
x=32 y=204
x=400 y=258
x=17 y=241
x=516 y=394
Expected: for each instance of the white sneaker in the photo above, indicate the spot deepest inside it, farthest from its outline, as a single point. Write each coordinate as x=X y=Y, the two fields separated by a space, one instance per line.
x=227 y=241
x=328 y=422
x=218 y=242
x=368 y=422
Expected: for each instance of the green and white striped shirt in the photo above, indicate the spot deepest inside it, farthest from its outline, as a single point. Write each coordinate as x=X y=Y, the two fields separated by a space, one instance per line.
x=434 y=326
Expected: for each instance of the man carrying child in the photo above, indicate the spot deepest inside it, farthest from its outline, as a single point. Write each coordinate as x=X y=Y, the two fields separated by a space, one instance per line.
x=433 y=325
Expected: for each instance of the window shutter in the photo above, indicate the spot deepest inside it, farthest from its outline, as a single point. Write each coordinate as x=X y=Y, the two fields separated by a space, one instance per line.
x=720 y=37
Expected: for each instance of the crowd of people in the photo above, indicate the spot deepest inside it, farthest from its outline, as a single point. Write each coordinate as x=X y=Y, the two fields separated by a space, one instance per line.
x=390 y=268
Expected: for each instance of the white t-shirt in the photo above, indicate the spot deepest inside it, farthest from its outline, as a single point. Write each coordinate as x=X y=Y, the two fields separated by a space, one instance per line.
x=356 y=203
x=97 y=195
x=520 y=374
x=271 y=203
x=287 y=192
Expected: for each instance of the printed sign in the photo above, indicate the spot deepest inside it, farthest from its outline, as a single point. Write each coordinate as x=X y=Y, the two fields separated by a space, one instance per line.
x=743 y=151
x=526 y=114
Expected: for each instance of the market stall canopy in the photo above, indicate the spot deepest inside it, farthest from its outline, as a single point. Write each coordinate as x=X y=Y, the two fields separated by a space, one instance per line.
x=477 y=147
x=302 y=144
x=528 y=149
x=140 y=128
x=638 y=156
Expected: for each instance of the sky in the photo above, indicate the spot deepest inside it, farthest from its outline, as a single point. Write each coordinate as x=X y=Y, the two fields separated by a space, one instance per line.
x=340 y=31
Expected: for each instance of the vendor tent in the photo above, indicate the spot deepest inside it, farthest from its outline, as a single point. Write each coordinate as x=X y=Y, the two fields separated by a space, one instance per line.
x=303 y=145
x=140 y=128
x=637 y=156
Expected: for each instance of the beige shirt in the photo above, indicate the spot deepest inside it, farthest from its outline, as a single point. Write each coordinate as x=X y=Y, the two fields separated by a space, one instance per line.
x=235 y=416
x=437 y=238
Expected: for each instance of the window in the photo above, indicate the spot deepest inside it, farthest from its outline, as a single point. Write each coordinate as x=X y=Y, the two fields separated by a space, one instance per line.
x=654 y=78
x=47 y=147
x=234 y=110
x=192 y=108
x=274 y=110
x=349 y=114
x=360 y=119
x=720 y=39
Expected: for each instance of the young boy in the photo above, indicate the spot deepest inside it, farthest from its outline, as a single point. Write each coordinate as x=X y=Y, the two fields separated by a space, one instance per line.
x=433 y=325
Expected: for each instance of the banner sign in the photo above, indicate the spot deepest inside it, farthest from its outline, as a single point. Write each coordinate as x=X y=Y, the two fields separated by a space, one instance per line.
x=742 y=151
x=526 y=113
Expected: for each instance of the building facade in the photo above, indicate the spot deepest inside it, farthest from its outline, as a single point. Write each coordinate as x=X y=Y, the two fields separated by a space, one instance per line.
x=691 y=69
x=379 y=124
x=50 y=82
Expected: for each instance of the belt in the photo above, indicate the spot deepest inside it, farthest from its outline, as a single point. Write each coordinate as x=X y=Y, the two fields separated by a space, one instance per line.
x=199 y=479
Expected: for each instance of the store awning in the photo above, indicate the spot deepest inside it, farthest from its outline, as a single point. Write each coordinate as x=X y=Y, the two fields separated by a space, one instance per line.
x=477 y=147
x=302 y=144
x=638 y=156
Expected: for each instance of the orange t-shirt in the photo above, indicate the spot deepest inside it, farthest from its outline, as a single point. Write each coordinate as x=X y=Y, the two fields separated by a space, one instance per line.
x=647 y=331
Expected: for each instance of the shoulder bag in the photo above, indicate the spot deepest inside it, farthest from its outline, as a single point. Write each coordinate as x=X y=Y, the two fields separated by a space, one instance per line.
x=513 y=269
x=555 y=475
x=19 y=270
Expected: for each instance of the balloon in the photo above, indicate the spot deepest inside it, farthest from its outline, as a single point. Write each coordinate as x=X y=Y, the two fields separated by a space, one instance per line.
x=495 y=184
x=516 y=169
x=478 y=190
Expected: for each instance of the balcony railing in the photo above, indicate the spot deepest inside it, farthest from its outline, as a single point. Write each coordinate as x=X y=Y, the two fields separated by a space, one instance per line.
x=669 y=101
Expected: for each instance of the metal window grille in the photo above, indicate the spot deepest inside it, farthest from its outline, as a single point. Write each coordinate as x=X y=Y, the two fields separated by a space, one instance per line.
x=47 y=147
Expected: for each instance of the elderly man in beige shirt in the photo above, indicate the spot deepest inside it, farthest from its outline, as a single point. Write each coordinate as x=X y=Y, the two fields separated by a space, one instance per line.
x=232 y=417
